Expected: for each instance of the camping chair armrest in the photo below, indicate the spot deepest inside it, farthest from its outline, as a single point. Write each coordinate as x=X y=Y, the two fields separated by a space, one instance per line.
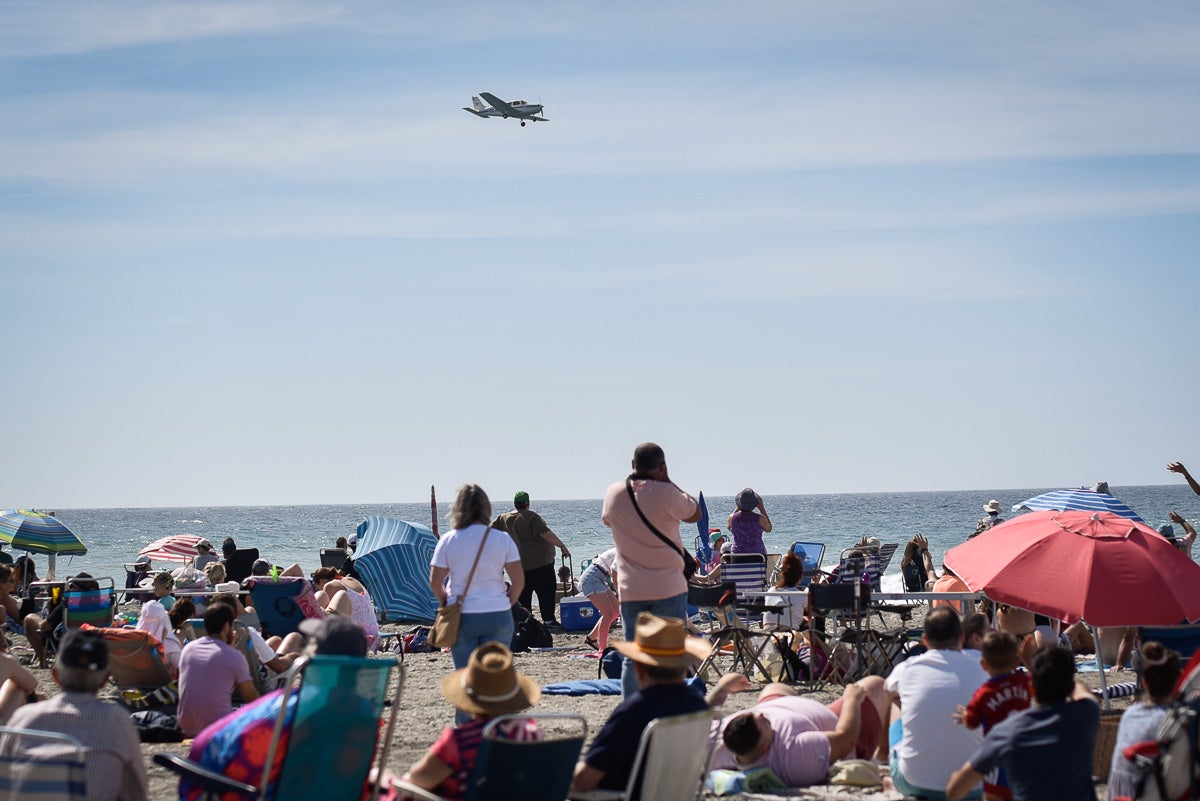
x=408 y=788
x=208 y=779
x=597 y=795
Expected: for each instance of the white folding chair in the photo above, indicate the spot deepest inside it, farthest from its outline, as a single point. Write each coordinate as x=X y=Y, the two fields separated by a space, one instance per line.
x=671 y=759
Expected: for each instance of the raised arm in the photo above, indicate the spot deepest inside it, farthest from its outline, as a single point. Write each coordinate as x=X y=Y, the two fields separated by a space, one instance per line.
x=763 y=520
x=1189 y=532
x=1177 y=467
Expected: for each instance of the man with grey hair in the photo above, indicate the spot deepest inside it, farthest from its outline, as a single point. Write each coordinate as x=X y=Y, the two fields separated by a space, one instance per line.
x=644 y=512
x=115 y=770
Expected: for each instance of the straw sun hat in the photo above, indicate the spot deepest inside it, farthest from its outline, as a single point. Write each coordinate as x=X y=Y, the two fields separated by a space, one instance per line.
x=663 y=642
x=489 y=685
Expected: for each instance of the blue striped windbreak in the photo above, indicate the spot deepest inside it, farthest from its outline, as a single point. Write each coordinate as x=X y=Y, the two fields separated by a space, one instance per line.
x=1083 y=499
x=393 y=559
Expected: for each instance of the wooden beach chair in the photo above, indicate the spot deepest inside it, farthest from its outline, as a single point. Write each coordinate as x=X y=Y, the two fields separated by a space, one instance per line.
x=504 y=769
x=352 y=690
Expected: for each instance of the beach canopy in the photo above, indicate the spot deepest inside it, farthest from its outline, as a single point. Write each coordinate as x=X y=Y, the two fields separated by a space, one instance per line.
x=39 y=532
x=393 y=559
x=1082 y=499
x=172 y=548
x=1073 y=565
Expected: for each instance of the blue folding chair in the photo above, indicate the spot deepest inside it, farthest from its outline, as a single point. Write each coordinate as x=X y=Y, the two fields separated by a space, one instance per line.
x=277 y=603
x=351 y=690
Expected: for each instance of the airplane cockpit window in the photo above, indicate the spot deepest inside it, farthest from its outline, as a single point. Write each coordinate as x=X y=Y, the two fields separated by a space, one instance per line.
x=518 y=102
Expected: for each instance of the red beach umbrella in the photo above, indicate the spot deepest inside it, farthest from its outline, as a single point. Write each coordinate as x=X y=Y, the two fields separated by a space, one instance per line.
x=1095 y=566
x=172 y=548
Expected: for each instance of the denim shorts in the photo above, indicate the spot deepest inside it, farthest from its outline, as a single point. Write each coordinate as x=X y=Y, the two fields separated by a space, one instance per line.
x=593 y=581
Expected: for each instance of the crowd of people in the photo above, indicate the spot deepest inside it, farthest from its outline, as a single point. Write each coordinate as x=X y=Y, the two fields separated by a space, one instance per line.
x=987 y=707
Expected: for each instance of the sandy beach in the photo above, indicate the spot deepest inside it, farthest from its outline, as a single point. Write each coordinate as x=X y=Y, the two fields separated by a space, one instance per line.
x=423 y=713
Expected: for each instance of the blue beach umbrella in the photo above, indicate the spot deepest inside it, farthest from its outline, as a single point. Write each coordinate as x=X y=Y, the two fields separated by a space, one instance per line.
x=703 y=547
x=1082 y=498
x=393 y=559
x=39 y=532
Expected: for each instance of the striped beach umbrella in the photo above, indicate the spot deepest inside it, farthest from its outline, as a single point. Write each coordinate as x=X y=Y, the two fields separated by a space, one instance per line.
x=393 y=559
x=39 y=532
x=1081 y=499
x=172 y=548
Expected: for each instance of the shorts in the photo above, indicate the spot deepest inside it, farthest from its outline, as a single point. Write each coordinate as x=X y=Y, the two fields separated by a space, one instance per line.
x=902 y=784
x=593 y=581
x=871 y=731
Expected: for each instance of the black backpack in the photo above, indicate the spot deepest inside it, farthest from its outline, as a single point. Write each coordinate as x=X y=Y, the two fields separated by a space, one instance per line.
x=528 y=631
x=610 y=664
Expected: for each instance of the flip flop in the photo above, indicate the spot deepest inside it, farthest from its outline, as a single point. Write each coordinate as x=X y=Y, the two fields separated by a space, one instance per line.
x=595 y=646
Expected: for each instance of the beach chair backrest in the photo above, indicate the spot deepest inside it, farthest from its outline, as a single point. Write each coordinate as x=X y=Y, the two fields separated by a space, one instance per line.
x=135 y=659
x=811 y=554
x=672 y=757
x=748 y=571
x=886 y=551
x=538 y=770
x=282 y=604
x=41 y=765
x=239 y=565
x=333 y=557
x=88 y=600
x=332 y=741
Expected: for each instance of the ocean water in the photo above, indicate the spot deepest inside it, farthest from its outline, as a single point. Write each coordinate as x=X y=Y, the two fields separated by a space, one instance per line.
x=286 y=534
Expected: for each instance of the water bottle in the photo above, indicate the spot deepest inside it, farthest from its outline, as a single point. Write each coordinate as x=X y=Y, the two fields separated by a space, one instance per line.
x=864 y=589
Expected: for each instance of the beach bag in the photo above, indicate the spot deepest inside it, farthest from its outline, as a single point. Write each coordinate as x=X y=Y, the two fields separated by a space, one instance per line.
x=528 y=631
x=154 y=726
x=444 y=632
x=610 y=664
x=791 y=668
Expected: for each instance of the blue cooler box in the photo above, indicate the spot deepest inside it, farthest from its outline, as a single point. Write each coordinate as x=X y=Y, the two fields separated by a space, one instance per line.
x=576 y=613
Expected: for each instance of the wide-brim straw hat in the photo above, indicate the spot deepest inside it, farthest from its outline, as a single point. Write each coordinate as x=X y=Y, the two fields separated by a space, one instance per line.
x=992 y=506
x=663 y=642
x=489 y=684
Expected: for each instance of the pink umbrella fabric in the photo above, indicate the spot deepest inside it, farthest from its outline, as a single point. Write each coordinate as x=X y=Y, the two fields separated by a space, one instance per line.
x=172 y=548
x=1072 y=565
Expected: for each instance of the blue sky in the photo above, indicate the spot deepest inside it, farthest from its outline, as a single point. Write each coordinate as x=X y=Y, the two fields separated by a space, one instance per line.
x=255 y=253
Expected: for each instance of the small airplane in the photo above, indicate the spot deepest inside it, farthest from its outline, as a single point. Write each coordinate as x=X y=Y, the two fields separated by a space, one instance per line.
x=518 y=109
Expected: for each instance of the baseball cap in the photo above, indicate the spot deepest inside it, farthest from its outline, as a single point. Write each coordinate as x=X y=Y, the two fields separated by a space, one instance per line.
x=521 y=497
x=84 y=650
x=335 y=635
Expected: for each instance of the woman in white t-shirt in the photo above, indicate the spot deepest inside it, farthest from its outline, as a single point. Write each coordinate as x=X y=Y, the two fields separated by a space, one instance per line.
x=487 y=604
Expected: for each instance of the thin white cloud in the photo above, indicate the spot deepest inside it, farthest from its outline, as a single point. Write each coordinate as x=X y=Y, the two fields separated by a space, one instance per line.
x=36 y=29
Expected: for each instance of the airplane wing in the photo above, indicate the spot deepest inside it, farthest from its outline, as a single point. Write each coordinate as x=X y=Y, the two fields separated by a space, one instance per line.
x=501 y=106
x=473 y=111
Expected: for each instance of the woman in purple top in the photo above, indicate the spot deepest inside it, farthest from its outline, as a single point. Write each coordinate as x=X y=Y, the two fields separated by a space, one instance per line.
x=747 y=525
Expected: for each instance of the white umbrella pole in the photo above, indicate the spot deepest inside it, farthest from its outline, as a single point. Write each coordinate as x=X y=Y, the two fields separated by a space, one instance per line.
x=50 y=567
x=1100 y=664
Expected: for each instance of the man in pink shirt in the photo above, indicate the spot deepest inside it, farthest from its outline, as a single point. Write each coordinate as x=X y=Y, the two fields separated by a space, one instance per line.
x=649 y=565
x=799 y=738
x=210 y=669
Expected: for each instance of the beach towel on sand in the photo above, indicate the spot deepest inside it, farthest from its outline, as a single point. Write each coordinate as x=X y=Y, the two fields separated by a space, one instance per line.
x=605 y=687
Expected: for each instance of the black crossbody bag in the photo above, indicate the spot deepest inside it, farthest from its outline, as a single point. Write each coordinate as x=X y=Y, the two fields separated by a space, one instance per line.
x=689 y=565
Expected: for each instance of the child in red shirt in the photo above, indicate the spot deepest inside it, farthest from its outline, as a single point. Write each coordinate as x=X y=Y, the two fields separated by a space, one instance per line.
x=1008 y=690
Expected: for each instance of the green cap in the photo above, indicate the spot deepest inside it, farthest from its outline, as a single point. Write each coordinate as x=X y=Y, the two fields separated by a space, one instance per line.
x=717 y=534
x=521 y=497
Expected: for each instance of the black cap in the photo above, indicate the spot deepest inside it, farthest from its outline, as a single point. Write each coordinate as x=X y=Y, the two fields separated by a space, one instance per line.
x=336 y=635
x=84 y=650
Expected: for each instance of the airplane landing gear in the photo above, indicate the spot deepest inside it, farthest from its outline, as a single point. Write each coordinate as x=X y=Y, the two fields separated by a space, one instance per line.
x=522 y=123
